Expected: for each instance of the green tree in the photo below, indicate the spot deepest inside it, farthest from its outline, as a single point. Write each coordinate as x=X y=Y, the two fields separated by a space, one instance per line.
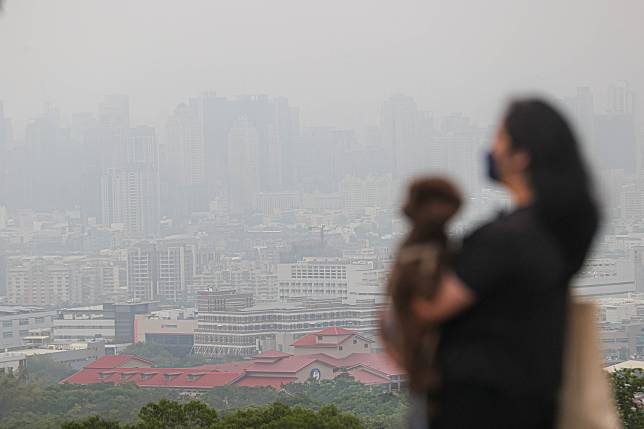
x=92 y=422
x=280 y=416
x=44 y=371
x=629 y=394
x=175 y=415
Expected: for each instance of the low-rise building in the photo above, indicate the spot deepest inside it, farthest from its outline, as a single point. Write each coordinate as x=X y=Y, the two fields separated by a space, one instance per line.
x=175 y=330
x=12 y=362
x=271 y=368
x=247 y=329
x=18 y=322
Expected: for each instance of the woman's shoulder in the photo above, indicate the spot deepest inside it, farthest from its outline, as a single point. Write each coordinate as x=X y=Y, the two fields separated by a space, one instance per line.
x=504 y=228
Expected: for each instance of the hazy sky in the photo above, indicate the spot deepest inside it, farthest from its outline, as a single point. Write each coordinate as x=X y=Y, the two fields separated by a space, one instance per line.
x=336 y=59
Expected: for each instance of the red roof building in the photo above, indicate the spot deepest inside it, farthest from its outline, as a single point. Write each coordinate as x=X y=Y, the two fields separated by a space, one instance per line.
x=333 y=354
x=336 y=342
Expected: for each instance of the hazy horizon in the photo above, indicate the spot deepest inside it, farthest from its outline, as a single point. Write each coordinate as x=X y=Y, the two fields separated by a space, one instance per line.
x=336 y=61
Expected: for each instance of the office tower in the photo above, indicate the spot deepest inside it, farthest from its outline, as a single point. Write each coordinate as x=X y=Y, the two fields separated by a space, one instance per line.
x=3 y=264
x=370 y=191
x=615 y=132
x=51 y=164
x=162 y=270
x=320 y=162
x=43 y=281
x=114 y=124
x=124 y=315
x=463 y=145
x=400 y=136
x=243 y=166
x=130 y=194
x=185 y=167
x=5 y=138
x=142 y=272
x=176 y=270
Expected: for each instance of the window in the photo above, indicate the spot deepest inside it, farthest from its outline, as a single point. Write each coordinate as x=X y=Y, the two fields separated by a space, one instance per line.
x=366 y=346
x=24 y=322
x=40 y=320
x=7 y=323
x=23 y=332
x=8 y=334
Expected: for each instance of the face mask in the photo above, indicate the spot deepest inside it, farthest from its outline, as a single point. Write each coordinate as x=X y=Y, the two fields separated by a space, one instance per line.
x=491 y=168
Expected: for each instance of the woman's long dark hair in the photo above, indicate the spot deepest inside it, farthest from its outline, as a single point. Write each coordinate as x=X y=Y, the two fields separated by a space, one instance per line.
x=563 y=190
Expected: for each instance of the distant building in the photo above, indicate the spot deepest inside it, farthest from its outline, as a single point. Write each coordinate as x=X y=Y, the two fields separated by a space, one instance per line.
x=172 y=330
x=270 y=369
x=367 y=192
x=325 y=278
x=605 y=276
x=229 y=324
x=243 y=166
x=17 y=322
x=161 y=270
x=12 y=362
x=124 y=315
x=83 y=324
x=57 y=280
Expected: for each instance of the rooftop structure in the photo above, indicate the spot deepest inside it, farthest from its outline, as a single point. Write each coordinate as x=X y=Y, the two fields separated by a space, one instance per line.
x=272 y=368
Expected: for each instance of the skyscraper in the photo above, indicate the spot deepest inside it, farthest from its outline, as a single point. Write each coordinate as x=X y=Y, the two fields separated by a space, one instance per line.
x=114 y=123
x=161 y=270
x=399 y=122
x=185 y=166
x=243 y=165
x=5 y=136
x=130 y=194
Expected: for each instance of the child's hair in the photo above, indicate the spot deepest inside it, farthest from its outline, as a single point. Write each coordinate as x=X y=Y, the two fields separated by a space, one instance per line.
x=417 y=272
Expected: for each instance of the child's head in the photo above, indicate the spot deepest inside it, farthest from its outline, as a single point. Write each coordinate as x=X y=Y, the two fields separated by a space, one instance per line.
x=431 y=201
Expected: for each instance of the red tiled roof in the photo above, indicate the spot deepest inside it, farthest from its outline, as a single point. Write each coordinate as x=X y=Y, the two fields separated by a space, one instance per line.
x=368 y=368
x=366 y=377
x=288 y=365
x=154 y=377
x=311 y=340
x=228 y=366
x=272 y=354
x=116 y=361
x=335 y=330
x=274 y=382
x=377 y=361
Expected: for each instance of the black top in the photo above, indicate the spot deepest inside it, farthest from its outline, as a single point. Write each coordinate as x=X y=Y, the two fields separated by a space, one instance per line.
x=512 y=338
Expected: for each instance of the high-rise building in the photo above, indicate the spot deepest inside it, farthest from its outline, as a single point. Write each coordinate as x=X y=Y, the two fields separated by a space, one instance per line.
x=243 y=166
x=124 y=315
x=186 y=160
x=3 y=266
x=130 y=194
x=5 y=137
x=162 y=270
x=367 y=192
x=43 y=281
x=400 y=128
x=114 y=124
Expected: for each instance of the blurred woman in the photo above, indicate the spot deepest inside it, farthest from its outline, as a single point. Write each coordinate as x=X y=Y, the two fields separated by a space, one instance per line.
x=502 y=308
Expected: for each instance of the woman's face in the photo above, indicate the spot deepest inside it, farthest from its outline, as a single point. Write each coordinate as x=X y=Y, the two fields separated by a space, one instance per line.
x=508 y=162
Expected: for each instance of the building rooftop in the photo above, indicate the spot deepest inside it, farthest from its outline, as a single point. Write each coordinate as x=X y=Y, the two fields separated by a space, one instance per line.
x=629 y=364
x=10 y=310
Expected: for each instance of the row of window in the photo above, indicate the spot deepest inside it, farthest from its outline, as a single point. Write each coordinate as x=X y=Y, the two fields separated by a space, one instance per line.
x=22 y=322
x=9 y=334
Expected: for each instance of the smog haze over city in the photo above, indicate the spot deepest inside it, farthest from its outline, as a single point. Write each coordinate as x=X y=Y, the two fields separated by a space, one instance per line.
x=219 y=183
